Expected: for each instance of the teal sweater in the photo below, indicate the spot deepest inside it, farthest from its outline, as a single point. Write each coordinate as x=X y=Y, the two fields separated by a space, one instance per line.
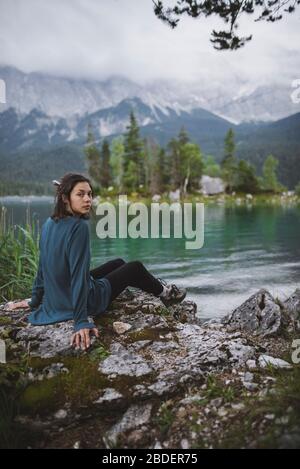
x=63 y=288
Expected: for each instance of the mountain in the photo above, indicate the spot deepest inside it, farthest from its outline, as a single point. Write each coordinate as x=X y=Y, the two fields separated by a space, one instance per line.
x=43 y=126
x=69 y=98
x=281 y=139
x=37 y=130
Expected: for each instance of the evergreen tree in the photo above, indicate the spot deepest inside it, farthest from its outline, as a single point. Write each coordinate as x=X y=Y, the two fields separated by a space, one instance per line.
x=210 y=167
x=176 y=156
x=229 y=164
x=133 y=153
x=93 y=158
x=229 y=12
x=116 y=161
x=151 y=149
x=174 y=159
x=131 y=177
x=105 y=173
x=246 y=180
x=270 y=182
x=191 y=167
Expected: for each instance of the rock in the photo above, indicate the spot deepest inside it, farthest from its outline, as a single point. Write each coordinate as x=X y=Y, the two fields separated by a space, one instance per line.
x=60 y=414
x=290 y=439
x=251 y=364
x=110 y=394
x=211 y=185
x=134 y=417
x=265 y=360
x=174 y=195
x=238 y=406
x=248 y=377
x=121 y=327
x=292 y=308
x=222 y=412
x=184 y=444
x=159 y=357
x=217 y=402
x=259 y=315
x=250 y=386
x=121 y=362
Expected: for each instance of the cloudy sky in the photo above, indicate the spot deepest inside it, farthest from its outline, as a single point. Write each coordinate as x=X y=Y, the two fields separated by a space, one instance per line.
x=100 y=38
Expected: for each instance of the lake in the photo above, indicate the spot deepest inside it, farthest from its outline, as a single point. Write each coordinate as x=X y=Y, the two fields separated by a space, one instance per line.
x=245 y=248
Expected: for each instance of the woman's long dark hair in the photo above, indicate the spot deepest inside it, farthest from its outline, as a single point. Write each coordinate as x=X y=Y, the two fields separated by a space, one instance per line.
x=65 y=187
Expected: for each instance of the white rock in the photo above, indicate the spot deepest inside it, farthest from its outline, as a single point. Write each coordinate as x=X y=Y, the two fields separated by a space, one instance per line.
x=250 y=386
x=238 y=406
x=270 y=416
x=248 y=377
x=251 y=364
x=121 y=327
x=265 y=360
x=60 y=414
x=185 y=444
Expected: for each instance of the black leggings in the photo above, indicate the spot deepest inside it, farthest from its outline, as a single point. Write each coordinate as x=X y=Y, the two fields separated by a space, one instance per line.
x=123 y=274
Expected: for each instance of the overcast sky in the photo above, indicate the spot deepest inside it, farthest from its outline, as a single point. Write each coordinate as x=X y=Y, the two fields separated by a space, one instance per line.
x=100 y=38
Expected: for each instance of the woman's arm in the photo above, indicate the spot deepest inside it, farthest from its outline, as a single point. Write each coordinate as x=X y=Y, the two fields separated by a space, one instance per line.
x=79 y=262
x=38 y=287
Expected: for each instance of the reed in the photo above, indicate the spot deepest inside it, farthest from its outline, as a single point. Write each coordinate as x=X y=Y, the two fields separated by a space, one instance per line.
x=19 y=254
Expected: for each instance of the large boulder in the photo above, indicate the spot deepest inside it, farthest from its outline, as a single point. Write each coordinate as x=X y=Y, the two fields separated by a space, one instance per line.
x=211 y=185
x=291 y=307
x=259 y=315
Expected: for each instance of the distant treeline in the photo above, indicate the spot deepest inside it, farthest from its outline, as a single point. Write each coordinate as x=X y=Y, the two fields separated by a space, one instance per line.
x=130 y=164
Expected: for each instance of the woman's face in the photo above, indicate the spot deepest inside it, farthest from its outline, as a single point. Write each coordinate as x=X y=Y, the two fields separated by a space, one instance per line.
x=80 y=199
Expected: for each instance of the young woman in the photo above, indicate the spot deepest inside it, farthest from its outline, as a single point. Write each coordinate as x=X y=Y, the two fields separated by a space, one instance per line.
x=64 y=287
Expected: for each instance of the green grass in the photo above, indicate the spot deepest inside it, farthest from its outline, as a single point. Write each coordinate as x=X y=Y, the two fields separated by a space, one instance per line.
x=19 y=252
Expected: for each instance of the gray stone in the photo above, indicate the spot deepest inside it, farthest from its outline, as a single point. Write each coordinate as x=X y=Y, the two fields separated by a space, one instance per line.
x=133 y=418
x=291 y=308
x=211 y=185
x=265 y=360
x=121 y=362
x=110 y=394
x=121 y=327
x=259 y=315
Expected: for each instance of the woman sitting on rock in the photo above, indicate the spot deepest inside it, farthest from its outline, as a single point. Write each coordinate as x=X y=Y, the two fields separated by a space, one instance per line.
x=64 y=287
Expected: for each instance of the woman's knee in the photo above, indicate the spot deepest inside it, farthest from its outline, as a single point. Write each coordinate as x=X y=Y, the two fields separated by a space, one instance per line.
x=137 y=265
x=119 y=261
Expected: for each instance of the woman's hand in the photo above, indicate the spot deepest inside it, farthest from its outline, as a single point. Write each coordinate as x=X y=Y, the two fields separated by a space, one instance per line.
x=82 y=338
x=18 y=305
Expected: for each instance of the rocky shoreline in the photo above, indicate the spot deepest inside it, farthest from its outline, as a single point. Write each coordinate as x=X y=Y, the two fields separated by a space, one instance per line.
x=156 y=377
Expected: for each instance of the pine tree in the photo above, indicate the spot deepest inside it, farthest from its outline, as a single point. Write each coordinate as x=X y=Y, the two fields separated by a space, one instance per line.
x=229 y=164
x=270 y=182
x=191 y=167
x=105 y=173
x=93 y=159
x=116 y=161
x=247 y=180
x=133 y=153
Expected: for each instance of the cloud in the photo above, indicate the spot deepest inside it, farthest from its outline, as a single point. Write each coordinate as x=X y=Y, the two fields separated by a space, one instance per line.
x=96 y=39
